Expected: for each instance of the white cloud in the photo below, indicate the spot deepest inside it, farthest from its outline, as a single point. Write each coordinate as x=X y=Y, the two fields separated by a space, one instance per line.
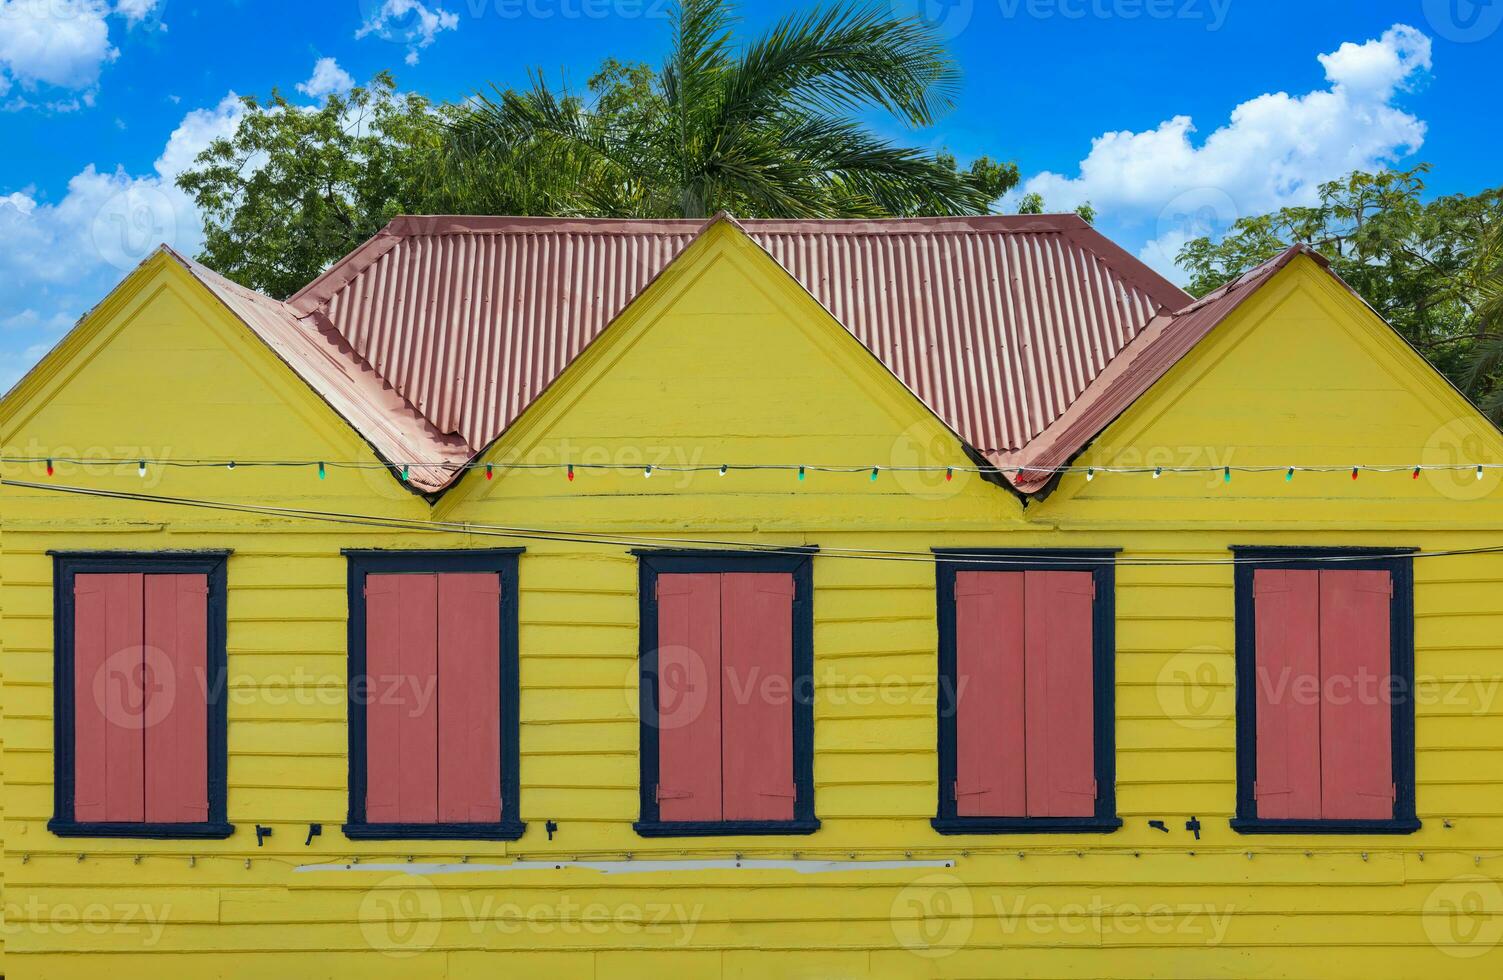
x=1274 y=151
x=60 y=42
x=409 y=22
x=62 y=258
x=23 y=203
x=328 y=79
x=136 y=11
x=63 y=44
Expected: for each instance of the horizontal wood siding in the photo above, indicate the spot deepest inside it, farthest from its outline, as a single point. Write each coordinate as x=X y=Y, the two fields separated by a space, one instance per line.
x=1140 y=902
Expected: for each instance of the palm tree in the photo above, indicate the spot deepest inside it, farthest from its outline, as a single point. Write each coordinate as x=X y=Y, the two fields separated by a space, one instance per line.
x=1484 y=375
x=768 y=129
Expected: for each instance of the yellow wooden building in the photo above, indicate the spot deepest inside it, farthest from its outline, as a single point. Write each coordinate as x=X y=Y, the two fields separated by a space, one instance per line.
x=1009 y=533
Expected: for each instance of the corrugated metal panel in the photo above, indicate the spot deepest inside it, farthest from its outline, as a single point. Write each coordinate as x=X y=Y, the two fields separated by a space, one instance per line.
x=998 y=323
x=1156 y=349
x=346 y=382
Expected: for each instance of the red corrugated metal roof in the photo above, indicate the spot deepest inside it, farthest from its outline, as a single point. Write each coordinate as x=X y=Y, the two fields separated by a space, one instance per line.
x=331 y=368
x=1160 y=346
x=997 y=323
x=1027 y=335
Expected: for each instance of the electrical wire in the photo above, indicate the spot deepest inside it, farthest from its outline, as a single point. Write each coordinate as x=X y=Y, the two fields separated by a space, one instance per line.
x=452 y=467
x=990 y=557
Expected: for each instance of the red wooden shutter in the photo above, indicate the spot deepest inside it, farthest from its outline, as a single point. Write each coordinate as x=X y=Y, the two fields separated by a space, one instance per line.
x=689 y=677
x=1061 y=722
x=1287 y=617
x=401 y=653
x=469 y=697
x=108 y=699
x=756 y=695
x=989 y=693
x=1356 y=726
x=176 y=679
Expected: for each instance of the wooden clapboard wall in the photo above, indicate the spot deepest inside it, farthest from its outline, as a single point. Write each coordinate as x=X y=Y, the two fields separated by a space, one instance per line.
x=730 y=363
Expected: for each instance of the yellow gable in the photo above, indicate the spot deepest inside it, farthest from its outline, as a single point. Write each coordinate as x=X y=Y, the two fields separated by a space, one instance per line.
x=1303 y=374
x=162 y=371
x=726 y=360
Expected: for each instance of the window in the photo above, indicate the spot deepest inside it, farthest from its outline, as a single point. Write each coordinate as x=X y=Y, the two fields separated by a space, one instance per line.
x=1025 y=700
x=433 y=695
x=1325 y=671
x=138 y=688
x=726 y=694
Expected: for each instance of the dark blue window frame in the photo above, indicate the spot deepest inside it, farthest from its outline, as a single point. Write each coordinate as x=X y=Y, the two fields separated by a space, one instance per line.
x=502 y=561
x=798 y=562
x=66 y=566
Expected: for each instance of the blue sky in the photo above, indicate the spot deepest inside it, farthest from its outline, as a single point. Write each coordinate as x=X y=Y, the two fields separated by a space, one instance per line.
x=1171 y=116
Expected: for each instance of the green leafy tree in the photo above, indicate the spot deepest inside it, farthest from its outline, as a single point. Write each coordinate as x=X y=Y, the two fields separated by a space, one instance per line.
x=768 y=130
x=1429 y=268
x=1033 y=203
x=765 y=129
x=295 y=188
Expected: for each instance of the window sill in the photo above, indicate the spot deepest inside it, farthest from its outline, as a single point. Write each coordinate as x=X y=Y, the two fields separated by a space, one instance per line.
x=434 y=831
x=143 y=831
x=1406 y=825
x=726 y=828
x=1026 y=825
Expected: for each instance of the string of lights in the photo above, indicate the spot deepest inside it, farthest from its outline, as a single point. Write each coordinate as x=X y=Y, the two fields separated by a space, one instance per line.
x=570 y=469
x=994 y=557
